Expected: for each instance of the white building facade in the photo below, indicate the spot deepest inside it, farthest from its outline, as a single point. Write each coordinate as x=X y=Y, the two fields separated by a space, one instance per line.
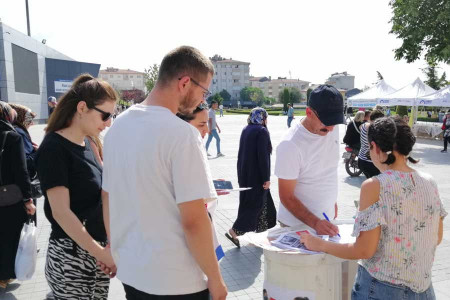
x=273 y=87
x=123 y=79
x=342 y=80
x=230 y=75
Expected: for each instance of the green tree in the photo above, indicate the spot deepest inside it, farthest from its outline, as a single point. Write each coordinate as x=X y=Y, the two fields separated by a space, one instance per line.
x=295 y=95
x=423 y=26
x=253 y=94
x=151 y=75
x=402 y=110
x=225 y=95
x=269 y=100
x=218 y=98
x=308 y=93
x=433 y=79
x=285 y=98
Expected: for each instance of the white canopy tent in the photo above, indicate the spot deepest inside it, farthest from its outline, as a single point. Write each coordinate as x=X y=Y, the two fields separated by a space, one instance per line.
x=440 y=98
x=407 y=95
x=369 y=97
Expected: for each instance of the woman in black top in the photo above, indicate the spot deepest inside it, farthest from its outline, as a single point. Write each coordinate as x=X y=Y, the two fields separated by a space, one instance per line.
x=23 y=121
x=256 y=208
x=71 y=177
x=13 y=171
x=352 y=135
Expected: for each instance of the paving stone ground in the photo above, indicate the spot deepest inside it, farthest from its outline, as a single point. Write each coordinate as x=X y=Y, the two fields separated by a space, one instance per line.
x=243 y=269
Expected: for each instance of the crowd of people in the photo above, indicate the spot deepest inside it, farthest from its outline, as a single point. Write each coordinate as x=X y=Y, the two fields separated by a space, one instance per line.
x=153 y=230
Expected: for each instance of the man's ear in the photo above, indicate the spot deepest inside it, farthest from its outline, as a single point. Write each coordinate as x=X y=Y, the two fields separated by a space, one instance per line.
x=183 y=84
x=308 y=112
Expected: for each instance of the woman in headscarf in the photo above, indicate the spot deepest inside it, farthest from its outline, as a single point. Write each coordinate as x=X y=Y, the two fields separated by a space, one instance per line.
x=13 y=170
x=256 y=209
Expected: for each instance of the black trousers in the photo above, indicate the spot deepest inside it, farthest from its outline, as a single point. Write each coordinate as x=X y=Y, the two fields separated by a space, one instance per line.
x=11 y=222
x=134 y=294
x=446 y=140
x=368 y=168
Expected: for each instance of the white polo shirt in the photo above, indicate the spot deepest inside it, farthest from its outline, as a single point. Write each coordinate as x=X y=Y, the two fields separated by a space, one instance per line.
x=154 y=161
x=312 y=160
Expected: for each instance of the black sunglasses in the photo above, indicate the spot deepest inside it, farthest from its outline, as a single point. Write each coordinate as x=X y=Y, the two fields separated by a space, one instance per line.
x=105 y=115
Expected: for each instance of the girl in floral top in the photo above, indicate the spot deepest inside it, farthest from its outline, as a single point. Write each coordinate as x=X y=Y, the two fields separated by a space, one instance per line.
x=399 y=223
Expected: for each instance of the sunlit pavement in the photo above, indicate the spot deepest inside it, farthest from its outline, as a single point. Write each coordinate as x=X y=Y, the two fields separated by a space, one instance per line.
x=243 y=269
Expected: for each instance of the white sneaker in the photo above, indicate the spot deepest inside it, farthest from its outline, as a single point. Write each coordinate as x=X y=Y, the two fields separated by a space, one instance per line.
x=220 y=154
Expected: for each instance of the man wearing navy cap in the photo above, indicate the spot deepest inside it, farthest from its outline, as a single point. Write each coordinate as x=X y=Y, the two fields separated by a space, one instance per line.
x=307 y=162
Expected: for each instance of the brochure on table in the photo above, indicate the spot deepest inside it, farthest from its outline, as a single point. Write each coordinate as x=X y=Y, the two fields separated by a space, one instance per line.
x=287 y=239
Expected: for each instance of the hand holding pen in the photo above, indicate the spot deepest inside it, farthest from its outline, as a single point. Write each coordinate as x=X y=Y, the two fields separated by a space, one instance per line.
x=337 y=231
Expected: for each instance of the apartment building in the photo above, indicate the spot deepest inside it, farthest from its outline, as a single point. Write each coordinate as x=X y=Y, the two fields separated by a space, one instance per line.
x=230 y=75
x=122 y=79
x=342 y=80
x=272 y=87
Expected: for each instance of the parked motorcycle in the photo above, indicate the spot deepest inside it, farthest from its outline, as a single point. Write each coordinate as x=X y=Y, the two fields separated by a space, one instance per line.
x=350 y=157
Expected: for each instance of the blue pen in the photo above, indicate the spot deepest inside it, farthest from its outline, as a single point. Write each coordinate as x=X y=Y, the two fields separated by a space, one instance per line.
x=326 y=218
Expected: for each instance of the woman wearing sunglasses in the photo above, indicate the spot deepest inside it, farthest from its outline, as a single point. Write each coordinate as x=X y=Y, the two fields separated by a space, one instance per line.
x=71 y=178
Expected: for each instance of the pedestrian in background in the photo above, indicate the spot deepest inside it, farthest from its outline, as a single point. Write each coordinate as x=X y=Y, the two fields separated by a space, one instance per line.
x=353 y=135
x=256 y=208
x=364 y=162
x=13 y=170
x=221 y=109
x=290 y=115
x=51 y=102
x=22 y=123
x=446 y=129
x=213 y=132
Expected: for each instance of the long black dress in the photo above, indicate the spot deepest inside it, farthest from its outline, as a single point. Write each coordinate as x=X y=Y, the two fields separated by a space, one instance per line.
x=12 y=218
x=256 y=208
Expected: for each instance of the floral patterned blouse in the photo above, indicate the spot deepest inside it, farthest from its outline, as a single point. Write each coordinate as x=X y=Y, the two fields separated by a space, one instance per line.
x=408 y=211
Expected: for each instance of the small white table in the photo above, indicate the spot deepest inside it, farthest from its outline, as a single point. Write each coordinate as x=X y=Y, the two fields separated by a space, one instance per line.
x=432 y=129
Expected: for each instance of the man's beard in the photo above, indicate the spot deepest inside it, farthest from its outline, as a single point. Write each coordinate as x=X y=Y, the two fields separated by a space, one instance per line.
x=187 y=105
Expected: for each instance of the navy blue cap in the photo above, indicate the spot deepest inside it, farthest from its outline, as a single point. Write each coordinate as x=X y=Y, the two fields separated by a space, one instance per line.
x=328 y=103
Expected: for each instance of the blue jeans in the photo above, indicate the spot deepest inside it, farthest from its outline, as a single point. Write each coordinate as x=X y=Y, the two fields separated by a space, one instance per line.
x=216 y=136
x=289 y=121
x=367 y=287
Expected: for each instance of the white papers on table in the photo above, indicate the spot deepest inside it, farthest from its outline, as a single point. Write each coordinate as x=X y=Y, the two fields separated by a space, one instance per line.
x=291 y=241
x=266 y=239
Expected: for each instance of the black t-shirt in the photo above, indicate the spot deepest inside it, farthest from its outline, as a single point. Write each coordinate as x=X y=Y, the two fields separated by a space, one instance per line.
x=60 y=162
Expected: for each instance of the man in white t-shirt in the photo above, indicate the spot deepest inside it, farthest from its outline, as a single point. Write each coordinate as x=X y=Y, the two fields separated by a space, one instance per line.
x=307 y=161
x=221 y=110
x=156 y=181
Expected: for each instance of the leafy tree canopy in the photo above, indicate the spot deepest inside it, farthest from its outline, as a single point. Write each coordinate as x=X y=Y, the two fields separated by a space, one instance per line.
x=424 y=27
x=253 y=94
x=225 y=95
x=433 y=78
x=218 y=98
x=151 y=75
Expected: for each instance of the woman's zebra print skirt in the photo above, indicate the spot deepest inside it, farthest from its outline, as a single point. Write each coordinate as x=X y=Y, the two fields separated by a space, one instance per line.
x=72 y=272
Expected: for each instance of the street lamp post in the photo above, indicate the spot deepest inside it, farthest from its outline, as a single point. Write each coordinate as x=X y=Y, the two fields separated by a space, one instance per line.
x=28 y=18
